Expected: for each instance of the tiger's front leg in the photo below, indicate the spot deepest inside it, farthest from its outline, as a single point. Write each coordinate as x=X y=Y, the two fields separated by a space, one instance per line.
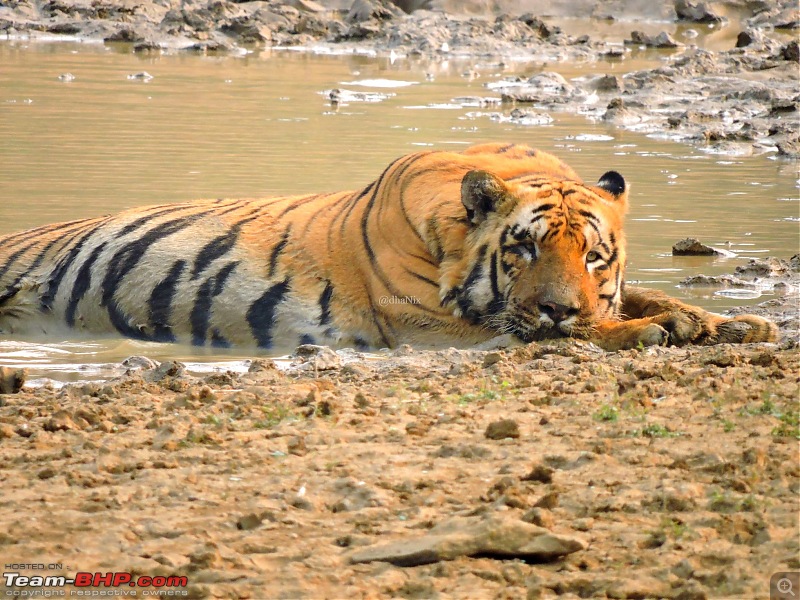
x=645 y=311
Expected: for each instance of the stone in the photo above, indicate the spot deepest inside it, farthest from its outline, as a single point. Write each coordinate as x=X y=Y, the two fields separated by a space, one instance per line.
x=696 y=12
x=540 y=473
x=692 y=247
x=471 y=536
x=505 y=428
x=12 y=380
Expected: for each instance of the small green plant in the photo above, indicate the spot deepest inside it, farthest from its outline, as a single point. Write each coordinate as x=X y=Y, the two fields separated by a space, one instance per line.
x=728 y=425
x=212 y=420
x=723 y=502
x=272 y=416
x=789 y=426
x=751 y=504
x=656 y=430
x=482 y=394
x=607 y=412
x=675 y=527
x=765 y=408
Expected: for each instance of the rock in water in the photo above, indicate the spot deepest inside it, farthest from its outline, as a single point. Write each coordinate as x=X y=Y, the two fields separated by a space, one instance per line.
x=12 y=380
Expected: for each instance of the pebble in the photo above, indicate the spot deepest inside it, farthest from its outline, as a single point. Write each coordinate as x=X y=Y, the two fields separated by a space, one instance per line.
x=505 y=428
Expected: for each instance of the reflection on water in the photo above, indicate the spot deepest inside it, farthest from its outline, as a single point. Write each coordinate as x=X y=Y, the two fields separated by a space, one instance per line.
x=269 y=123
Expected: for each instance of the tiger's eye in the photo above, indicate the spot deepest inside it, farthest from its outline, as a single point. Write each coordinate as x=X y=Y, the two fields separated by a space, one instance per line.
x=592 y=256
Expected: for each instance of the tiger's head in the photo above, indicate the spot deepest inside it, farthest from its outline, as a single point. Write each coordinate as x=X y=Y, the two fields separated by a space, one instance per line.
x=543 y=256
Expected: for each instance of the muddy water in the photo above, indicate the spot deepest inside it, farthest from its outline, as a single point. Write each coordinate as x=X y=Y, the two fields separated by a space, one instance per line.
x=82 y=135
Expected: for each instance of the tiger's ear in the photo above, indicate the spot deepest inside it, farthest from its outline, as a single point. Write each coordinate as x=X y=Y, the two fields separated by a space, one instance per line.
x=614 y=184
x=482 y=193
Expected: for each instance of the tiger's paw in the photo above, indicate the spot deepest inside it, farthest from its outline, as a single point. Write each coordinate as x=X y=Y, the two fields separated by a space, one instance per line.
x=624 y=335
x=696 y=326
x=743 y=329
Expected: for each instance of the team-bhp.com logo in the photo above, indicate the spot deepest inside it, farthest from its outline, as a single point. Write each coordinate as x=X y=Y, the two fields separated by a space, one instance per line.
x=94 y=584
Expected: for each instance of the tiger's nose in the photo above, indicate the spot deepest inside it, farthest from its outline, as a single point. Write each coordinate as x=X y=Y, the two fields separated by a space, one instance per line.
x=558 y=312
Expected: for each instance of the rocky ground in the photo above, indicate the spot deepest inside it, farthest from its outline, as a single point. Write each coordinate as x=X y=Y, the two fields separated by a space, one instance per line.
x=552 y=469
x=742 y=99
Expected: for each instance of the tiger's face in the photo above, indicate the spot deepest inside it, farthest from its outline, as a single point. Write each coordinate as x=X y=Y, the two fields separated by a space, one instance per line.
x=545 y=256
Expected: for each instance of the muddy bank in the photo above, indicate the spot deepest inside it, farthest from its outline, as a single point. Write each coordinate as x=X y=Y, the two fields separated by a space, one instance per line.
x=667 y=473
x=738 y=100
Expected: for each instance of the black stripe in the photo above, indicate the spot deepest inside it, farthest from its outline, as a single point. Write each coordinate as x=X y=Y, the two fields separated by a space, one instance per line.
x=426 y=259
x=402 y=190
x=218 y=247
x=12 y=289
x=529 y=179
x=9 y=240
x=325 y=304
x=553 y=230
x=328 y=206
x=201 y=313
x=160 y=303
x=297 y=204
x=83 y=280
x=505 y=149
x=62 y=266
x=603 y=245
x=276 y=251
x=352 y=200
x=307 y=339
x=60 y=271
x=589 y=215
x=381 y=331
x=347 y=211
x=543 y=208
x=422 y=278
x=365 y=232
x=496 y=305
x=375 y=188
x=475 y=274
x=534 y=220
x=127 y=257
x=13 y=258
x=134 y=225
x=218 y=340
x=200 y=318
x=261 y=314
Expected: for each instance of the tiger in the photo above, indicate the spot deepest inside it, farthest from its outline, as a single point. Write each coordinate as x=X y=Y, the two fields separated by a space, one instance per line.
x=442 y=249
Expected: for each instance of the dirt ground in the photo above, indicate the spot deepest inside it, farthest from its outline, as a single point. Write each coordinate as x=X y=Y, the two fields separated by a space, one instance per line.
x=553 y=469
x=663 y=473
